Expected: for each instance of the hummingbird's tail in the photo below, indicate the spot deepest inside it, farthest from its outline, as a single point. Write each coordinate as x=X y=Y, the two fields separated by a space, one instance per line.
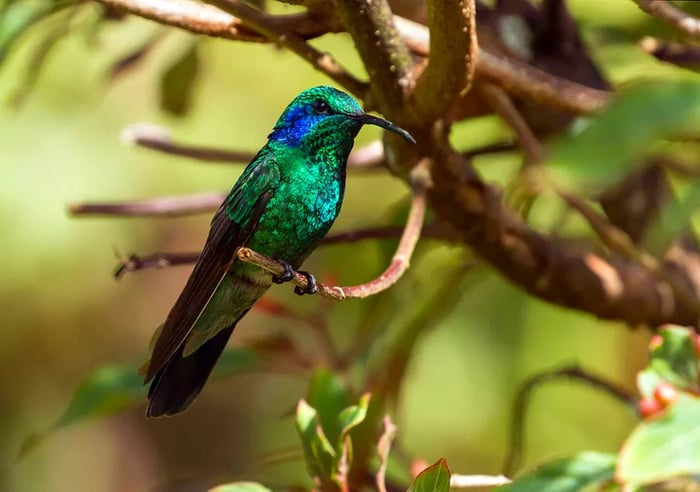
x=175 y=387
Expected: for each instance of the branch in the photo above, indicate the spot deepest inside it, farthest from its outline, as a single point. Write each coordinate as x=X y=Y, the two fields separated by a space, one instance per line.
x=154 y=207
x=477 y=481
x=324 y=62
x=158 y=260
x=666 y=12
x=522 y=400
x=157 y=138
x=453 y=50
x=517 y=77
x=399 y=263
x=383 y=52
x=609 y=289
x=289 y=31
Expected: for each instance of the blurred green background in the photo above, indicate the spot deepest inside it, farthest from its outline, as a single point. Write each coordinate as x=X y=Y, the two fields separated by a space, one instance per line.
x=65 y=316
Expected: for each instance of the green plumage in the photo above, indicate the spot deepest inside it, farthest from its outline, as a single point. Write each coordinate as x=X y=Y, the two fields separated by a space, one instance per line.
x=283 y=204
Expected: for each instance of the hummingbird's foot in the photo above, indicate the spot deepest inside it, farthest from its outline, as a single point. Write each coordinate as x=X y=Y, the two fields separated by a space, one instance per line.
x=311 y=286
x=286 y=276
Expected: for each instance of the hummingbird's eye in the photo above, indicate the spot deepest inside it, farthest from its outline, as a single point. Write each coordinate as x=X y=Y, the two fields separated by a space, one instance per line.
x=321 y=106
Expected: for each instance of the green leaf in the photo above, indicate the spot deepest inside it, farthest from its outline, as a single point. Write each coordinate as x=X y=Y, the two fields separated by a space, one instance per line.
x=664 y=447
x=319 y=454
x=327 y=394
x=673 y=360
x=177 y=84
x=240 y=487
x=435 y=478
x=353 y=416
x=604 y=151
x=584 y=471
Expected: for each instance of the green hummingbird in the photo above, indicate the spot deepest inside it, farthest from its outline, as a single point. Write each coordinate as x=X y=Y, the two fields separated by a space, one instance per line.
x=283 y=204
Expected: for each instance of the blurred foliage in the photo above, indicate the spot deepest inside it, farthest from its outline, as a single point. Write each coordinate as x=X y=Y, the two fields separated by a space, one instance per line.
x=443 y=352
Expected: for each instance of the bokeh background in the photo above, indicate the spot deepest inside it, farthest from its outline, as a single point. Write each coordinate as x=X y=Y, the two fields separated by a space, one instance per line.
x=64 y=315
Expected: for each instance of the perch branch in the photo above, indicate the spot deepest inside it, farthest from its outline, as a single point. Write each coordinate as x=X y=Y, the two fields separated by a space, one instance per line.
x=666 y=12
x=453 y=50
x=522 y=400
x=156 y=207
x=477 y=481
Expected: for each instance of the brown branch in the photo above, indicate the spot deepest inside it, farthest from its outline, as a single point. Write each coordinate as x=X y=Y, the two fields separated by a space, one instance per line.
x=135 y=263
x=503 y=105
x=158 y=138
x=609 y=289
x=667 y=12
x=522 y=400
x=289 y=31
x=383 y=52
x=149 y=136
x=324 y=62
x=517 y=77
x=155 y=207
x=453 y=50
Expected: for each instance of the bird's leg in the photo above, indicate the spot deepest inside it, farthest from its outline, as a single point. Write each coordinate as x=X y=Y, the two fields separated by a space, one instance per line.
x=286 y=276
x=311 y=286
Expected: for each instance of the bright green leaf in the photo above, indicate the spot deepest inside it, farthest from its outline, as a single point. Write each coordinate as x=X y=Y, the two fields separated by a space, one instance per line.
x=585 y=471
x=353 y=416
x=319 y=454
x=177 y=83
x=605 y=150
x=435 y=478
x=240 y=487
x=664 y=447
x=327 y=394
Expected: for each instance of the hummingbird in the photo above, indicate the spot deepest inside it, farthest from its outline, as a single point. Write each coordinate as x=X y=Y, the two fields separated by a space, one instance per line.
x=283 y=204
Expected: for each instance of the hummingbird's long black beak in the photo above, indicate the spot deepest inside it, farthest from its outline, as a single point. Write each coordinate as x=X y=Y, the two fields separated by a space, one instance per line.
x=368 y=119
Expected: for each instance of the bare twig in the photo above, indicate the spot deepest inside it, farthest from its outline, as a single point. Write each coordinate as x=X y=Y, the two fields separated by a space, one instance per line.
x=453 y=50
x=135 y=263
x=158 y=138
x=665 y=11
x=503 y=105
x=324 y=62
x=150 y=136
x=477 y=481
x=383 y=448
x=154 y=207
x=522 y=400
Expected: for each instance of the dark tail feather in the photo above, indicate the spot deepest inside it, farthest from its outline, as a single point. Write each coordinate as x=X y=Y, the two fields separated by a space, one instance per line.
x=175 y=387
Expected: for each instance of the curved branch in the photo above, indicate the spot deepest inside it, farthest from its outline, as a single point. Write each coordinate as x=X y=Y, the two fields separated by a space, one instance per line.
x=666 y=12
x=453 y=52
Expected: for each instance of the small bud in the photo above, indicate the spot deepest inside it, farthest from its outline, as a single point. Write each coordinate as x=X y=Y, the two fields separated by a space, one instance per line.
x=665 y=393
x=655 y=342
x=648 y=407
x=697 y=345
x=418 y=466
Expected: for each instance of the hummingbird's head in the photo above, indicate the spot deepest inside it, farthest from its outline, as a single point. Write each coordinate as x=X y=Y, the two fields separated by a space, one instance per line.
x=323 y=111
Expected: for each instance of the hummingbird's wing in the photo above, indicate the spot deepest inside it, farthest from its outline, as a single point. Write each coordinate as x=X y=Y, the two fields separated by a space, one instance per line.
x=231 y=227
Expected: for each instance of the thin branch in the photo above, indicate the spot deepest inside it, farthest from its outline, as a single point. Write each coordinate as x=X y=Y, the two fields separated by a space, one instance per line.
x=175 y=206
x=135 y=263
x=517 y=77
x=502 y=104
x=451 y=65
x=667 y=12
x=154 y=137
x=158 y=138
x=289 y=31
x=324 y=62
x=399 y=263
x=477 y=481
x=383 y=51
x=522 y=400
x=619 y=241
x=383 y=448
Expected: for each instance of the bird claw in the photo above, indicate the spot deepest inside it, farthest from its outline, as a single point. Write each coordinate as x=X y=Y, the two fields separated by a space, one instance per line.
x=286 y=276
x=311 y=285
